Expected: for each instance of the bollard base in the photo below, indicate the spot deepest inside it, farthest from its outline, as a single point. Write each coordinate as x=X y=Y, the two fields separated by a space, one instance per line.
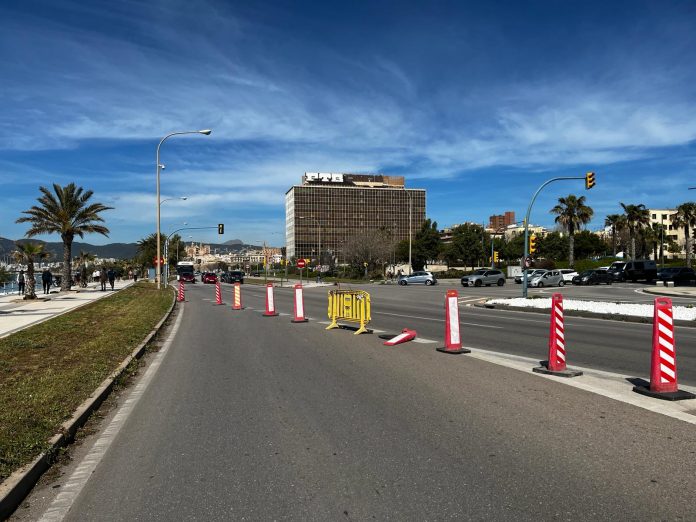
x=678 y=395
x=299 y=320
x=271 y=314
x=563 y=373
x=460 y=350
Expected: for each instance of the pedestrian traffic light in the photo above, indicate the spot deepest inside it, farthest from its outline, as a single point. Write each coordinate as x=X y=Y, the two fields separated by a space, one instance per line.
x=221 y=228
x=533 y=244
x=495 y=256
x=589 y=180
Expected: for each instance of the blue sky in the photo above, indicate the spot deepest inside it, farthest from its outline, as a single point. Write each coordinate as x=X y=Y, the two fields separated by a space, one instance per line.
x=477 y=102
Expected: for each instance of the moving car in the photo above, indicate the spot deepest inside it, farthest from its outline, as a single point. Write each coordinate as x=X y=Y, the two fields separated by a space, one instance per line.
x=593 y=277
x=568 y=274
x=484 y=277
x=679 y=275
x=530 y=274
x=235 y=276
x=418 y=278
x=550 y=278
x=209 y=277
x=645 y=269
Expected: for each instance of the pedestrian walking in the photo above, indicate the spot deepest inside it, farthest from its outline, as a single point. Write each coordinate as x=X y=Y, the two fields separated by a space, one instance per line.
x=20 y=282
x=102 y=278
x=46 y=279
x=111 y=276
x=135 y=276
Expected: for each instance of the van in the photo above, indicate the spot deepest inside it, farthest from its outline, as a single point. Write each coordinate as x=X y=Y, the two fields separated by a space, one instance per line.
x=644 y=269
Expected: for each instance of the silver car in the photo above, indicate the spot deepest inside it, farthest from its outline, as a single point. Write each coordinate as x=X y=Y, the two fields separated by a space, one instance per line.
x=484 y=277
x=420 y=277
x=550 y=278
x=530 y=275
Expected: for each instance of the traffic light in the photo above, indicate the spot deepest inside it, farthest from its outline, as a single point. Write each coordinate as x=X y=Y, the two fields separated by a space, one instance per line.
x=589 y=180
x=495 y=256
x=533 y=244
x=221 y=228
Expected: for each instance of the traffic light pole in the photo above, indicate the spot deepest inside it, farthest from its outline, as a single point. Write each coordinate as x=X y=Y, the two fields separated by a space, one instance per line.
x=526 y=228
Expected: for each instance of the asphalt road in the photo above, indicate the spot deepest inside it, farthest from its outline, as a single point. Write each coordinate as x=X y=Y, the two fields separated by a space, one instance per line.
x=254 y=418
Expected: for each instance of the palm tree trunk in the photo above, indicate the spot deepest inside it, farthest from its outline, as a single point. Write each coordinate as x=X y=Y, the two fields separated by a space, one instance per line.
x=613 y=239
x=571 y=249
x=67 y=268
x=688 y=246
x=633 y=247
x=30 y=280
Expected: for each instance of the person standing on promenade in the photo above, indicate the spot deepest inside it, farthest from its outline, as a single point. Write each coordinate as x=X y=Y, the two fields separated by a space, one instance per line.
x=111 y=275
x=46 y=279
x=20 y=282
x=102 y=278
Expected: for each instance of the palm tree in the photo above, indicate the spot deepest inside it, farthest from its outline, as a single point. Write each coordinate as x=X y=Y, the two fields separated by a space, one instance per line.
x=617 y=222
x=637 y=216
x=686 y=217
x=82 y=259
x=67 y=213
x=572 y=213
x=27 y=253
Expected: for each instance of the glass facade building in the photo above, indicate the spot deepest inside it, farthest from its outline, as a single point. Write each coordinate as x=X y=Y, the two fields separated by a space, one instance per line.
x=330 y=209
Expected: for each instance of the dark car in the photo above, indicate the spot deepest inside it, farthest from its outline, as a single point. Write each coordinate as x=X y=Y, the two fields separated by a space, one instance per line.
x=679 y=275
x=593 y=277
x=634 y=270
x=187 y=277
x=209 y=278
x=235 y=276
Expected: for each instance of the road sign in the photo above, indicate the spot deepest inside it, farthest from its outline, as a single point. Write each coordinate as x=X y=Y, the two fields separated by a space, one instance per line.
x=300 y=263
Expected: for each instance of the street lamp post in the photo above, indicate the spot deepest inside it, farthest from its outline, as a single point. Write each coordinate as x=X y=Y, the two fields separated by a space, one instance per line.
x=158 y=167
x=166 y=245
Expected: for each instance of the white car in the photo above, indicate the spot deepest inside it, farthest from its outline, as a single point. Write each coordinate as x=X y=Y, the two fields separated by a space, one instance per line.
x=550 y=278
x=568 y=274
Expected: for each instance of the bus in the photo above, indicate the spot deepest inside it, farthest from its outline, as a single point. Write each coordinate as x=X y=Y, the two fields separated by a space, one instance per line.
x=184 y=272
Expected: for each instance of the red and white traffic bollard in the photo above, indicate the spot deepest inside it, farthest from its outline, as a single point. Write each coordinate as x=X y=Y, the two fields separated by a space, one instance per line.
x=180 y=296
x=218 y=294
x=270 y=302
x=663 y=366
x=237 y=297
x=453 y=341
x=299 y=306
x=556 y=364
x=405 y=336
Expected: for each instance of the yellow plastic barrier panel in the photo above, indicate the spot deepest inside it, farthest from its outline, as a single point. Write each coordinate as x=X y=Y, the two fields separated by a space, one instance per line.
x=349 y=305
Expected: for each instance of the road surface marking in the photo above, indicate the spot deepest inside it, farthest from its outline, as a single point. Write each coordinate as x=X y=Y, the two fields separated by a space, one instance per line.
x=439 y=320
x=58 y=509
x=424 y=341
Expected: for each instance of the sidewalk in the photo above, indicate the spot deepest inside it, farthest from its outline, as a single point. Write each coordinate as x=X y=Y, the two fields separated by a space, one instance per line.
x=17 y=314
x=678 y=291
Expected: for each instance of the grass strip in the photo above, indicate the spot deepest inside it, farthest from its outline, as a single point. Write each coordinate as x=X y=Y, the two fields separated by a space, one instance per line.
x=48 y=370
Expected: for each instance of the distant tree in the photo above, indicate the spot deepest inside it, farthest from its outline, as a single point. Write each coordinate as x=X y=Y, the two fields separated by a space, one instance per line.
x=553 y=246
x=426 y=244
x=67 y=212
x=27 y=253
x=514 y=247
x=372 y=247
x=617 y=222
x=589 y=245
x=82 y=260
x=637 y=216
x=147 y=250
x=571 y=213
x=685 y=217
x=469 y=240
x=5 y=276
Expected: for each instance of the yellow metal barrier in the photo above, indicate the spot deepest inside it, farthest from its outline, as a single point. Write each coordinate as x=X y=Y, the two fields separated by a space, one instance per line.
x=349 y=305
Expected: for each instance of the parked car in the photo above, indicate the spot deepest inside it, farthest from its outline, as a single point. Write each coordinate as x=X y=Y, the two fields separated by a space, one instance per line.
x=568 y=274
x=235 y=276
x=209 y=278
x=679 y=275
x=593 y=277
x=418 y=278
x=645 y=269
x=550 y=278
x=484 y=277
x=530 y=274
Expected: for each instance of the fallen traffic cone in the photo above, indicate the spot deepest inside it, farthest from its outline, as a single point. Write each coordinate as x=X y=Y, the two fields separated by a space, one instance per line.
x=556 y=364
x=270 y=303
x=453 y=341
x=237 y=297
x=299 y=306
x=218 y=294
x=405 y=336
x=663 y=367
x=180 y=296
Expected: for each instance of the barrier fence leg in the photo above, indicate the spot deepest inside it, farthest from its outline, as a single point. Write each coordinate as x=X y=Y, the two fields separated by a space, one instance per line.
x=333 y=311
x=270 y=302
x=663 y=364
x=299 y=306
x=556 y=364
x=453 y=341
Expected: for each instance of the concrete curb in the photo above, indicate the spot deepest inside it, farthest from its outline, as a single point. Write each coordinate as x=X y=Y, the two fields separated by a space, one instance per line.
x=582 y=313
x=17 y=486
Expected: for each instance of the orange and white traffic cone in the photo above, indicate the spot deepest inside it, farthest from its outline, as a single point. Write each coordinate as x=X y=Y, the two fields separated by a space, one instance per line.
x=237 y=297
x=299 y=306
x=453 y=341
x=663 y=367
x=270 y=302
x=556 y=364
x=181 y=296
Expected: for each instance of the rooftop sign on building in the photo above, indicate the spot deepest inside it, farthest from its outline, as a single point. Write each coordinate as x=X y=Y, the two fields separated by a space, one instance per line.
x=359 y=180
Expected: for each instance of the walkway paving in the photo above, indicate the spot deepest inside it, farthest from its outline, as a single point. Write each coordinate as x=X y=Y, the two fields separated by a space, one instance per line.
x=16 y=313
x=678 y=291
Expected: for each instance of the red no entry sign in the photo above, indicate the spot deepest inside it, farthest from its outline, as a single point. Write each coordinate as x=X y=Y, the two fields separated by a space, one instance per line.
x=300 y=263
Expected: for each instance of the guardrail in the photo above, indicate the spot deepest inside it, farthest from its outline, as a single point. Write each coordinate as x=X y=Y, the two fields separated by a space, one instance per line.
x=349 y=305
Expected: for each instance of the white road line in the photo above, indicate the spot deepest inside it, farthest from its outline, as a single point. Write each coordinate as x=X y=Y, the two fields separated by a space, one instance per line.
x=439 y=320
x=58 y=509
x=424 y=341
